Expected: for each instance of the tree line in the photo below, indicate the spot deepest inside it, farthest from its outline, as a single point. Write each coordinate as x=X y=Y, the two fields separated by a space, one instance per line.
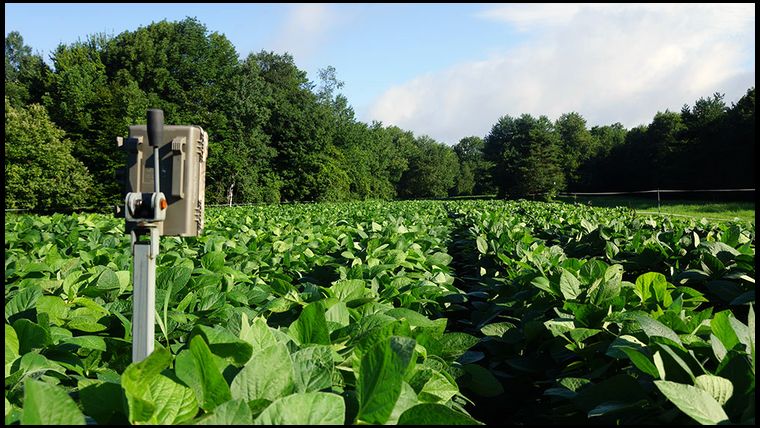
x=276 y=136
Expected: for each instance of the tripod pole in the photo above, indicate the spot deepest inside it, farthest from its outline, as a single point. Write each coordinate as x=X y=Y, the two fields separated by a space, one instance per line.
x=144 y=254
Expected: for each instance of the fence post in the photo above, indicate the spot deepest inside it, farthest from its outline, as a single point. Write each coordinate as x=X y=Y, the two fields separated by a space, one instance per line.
x=658 y=199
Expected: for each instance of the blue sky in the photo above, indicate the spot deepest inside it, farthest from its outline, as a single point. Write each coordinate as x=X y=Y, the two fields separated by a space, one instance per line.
x=451 y=70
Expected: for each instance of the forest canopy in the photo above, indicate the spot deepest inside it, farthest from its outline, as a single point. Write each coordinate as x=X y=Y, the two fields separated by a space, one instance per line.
x=276 y=136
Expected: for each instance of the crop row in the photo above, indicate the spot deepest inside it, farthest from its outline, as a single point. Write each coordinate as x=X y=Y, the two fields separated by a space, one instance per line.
x=600 y=315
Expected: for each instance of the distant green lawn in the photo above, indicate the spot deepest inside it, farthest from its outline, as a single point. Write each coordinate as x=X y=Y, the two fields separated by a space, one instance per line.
x=693 y=208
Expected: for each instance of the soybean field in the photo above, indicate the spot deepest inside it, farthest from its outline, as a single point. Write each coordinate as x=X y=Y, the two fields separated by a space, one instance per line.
x=406 y=312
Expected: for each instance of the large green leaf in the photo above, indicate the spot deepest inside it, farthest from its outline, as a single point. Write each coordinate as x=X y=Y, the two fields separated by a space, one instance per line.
x=439 y=388
x=213 y=261
x=54 y=307
x=454 y=345
x=718 y=387
x=268 y=375
x=407 y=399
x=153 y=397
x=87 y=342
x=233 y=412
x=569 y=285
x=224 y=344
x=653 y=327
x=481 y=244
x=31 y=335
x=311 y=325
x=435 y=414
x=103 y=401
x=197 y=369
x=46 y=404
x=641 y=361
x=309 y=408
x=348 y=290
x=174 y=403
x=481 y=381
x=693 y=401
x=24 y=300
x=313 y=368
x=11 y=347
x=380 y=374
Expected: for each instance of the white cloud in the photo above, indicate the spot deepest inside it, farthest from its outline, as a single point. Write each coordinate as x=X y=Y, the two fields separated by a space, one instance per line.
x=305 y=30
x=611 y=63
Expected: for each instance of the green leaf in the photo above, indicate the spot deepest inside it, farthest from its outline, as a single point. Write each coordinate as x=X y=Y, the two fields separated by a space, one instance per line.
x=313 y=368
x=33 y=363
x=742 y=333
x=310 y=408
x=693 y=401
x=46 y=404
x=454 y=345
x=268 y=375
x=720 y=388
x=481 y=244
x=11 y=346
x=624 y=341
x=55 y=307
x=24 y=300
x=610 y=286
x=233 y=412
x=542 y=283
x=380 y=374
x=651 y=284
x=641 y=361
x=87 y=342
x=481 y=381
x=407 y=399
x=435 y=414
x=31 y=335
x=653 y=327
x=497 y=329
x=719 y=350
x=174 y=403
x=439 y=388
x=569 y=285
x=560 y=326
x=258 y=333
x=224 y=344
x=213 y=261
x=337 y=314
x=311 y=325
x=136 y=379
x=108 y=280
x=440 y=259
x=723 y=330
x=197 y=369
x=103 y=401
x=177 y=276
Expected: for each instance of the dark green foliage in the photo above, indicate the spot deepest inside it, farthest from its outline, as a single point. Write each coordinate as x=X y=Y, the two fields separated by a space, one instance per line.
x=433 y=167
x=577 y=144
x=275 y=136
x=709 y=137
x=40 y=172
x=526 y=156
x=475 y=172
x=25 y=73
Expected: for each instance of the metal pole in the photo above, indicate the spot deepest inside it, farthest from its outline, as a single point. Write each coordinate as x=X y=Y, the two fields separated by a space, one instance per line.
x=144 y=254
